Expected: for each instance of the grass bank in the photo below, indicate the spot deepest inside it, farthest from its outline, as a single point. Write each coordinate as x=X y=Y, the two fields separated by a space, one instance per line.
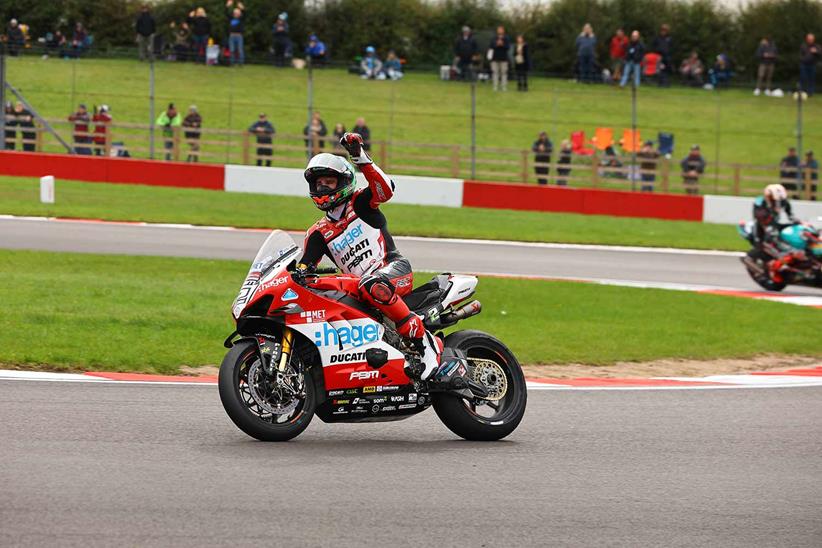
x=119 y=313
x=20 y=196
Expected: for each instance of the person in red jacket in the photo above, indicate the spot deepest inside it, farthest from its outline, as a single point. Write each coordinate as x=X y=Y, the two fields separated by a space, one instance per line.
x=354 y=234
x=618 y=49
x=81 y=134
x=102 y=120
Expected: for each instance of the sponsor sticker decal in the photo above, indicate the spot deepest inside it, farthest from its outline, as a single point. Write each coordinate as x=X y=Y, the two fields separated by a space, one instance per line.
x=387 y=388
x=369 y=389
x=311 y=316
x=273 y=283
x=335 y=392
x=408 y=406
x=355 y=335
x=397 y=398
x=289 y=295
x=363 y=375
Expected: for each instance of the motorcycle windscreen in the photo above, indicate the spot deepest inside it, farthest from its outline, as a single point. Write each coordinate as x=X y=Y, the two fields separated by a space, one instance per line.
x=276 y=252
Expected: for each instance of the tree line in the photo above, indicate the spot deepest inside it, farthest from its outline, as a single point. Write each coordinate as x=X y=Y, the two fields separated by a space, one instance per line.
x=424 y=31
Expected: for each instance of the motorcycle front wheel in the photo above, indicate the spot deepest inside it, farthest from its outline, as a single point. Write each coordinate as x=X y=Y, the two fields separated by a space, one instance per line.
x=259 y=406
x=761 y=260
x=494 y=366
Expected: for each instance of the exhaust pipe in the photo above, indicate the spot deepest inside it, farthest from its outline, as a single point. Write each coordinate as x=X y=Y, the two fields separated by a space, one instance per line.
x=471 y=309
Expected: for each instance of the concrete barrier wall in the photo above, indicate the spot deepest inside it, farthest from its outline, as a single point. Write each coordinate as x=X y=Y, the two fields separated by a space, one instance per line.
x=112 y=170
x=290 y=182
x=732 y=209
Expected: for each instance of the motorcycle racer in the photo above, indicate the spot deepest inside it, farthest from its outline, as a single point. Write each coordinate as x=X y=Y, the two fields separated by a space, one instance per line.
x=354 y=235
x=767 y=211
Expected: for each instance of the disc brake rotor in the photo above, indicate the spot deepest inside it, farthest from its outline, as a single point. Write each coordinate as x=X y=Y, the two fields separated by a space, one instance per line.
x=267 y=394
x=490 y=374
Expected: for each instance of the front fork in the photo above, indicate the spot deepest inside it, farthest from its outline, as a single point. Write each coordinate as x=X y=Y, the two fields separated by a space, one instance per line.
x=287 y=344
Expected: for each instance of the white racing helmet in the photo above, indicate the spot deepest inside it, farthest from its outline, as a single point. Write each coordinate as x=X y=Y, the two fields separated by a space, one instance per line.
x=775 y=195
x=330 y=165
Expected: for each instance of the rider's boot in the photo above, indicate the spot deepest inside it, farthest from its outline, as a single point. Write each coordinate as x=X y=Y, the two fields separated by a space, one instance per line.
x=427 y=345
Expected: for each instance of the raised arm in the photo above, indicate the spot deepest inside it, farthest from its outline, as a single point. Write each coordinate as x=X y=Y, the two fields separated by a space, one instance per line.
x=381 y=187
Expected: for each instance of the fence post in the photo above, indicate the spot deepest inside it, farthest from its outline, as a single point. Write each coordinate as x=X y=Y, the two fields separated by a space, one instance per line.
x=107 y=146
x=175 y=150
x=384 y=154
x=666 y=174
x=594 y=170
x=737 y=177
x=455 y=161
x=38 y=145
x=807 y=185
x=246 y=147
x=524 y=173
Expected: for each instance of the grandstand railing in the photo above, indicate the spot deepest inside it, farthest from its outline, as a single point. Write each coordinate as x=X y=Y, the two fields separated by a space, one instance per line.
x=490 y=163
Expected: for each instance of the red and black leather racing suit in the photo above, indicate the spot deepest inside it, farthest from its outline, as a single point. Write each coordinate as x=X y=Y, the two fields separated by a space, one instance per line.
x=355 y=237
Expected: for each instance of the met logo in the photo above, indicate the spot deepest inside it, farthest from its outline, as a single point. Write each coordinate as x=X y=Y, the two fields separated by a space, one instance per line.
x=355 y=335
x=348 y=239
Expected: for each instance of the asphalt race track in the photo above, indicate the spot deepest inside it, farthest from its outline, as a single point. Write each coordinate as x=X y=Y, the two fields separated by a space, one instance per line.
x=111 y=464
x=710 y=269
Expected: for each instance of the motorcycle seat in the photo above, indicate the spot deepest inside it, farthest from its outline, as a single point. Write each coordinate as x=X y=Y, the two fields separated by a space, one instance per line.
x=428 y=294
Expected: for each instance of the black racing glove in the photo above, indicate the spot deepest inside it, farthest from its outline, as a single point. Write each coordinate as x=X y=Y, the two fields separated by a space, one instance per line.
x=353 y=144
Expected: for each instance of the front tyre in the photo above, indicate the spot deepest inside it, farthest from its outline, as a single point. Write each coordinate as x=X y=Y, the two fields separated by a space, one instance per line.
x=495 y=366
x=756 y=263
x=259 y=406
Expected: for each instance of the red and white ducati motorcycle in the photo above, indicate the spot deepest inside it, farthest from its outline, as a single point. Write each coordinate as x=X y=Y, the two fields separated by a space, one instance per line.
x=303 y=347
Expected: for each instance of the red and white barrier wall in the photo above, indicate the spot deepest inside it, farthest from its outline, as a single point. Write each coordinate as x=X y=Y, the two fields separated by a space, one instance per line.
x=410 y=189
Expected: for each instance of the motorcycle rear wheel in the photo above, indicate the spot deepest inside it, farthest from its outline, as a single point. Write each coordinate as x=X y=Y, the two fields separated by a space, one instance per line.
x=465 y=418
x=245 y=411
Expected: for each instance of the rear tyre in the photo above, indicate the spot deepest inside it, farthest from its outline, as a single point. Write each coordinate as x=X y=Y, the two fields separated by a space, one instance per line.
x=761 y=278
x=255 y=404
x=485 y=420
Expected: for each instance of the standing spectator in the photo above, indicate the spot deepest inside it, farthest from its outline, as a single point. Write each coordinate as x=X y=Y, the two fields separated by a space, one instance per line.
x=316 y=132
x=393 y=66
x=766 y=55
x=498 y=55
x=25 y=121
x=618 y=51
x=371 y=66
x=182 y=41
x=522 y=62
x=649 y=158
x=788 y=172
x=9 y=125
x=663 y=46
x=692 y=70
x=168 y=120
x=339 y=131
x=264 y=132
x=316 y=50
x=811 y=171
x=542 y=149
x=282 y=42
x=200 y=31
x=633 y=60
x=15 y=38
x=192 y=125
x=564 y=160
x=586 y=44
x=79 y=40
x=364 y=132
x=465 y=50
x=102 y=121
x=146 y=29
x=80 y=134
x=809 y=55
x=693 y=165
x=236 y=28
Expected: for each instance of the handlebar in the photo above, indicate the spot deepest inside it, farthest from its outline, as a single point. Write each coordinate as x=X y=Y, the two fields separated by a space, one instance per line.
x=326 y=270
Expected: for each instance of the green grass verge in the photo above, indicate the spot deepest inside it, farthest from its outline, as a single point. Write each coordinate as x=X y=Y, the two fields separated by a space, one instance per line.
x=421 y=108
x=98 y=312
x=20 y=196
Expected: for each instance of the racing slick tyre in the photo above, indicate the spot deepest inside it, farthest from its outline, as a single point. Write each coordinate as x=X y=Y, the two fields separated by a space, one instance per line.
x=492 y=364
x=761 y=260
x=256 y=403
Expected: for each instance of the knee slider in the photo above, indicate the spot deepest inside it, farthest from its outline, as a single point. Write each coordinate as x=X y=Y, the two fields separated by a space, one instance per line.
x=379 y=287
